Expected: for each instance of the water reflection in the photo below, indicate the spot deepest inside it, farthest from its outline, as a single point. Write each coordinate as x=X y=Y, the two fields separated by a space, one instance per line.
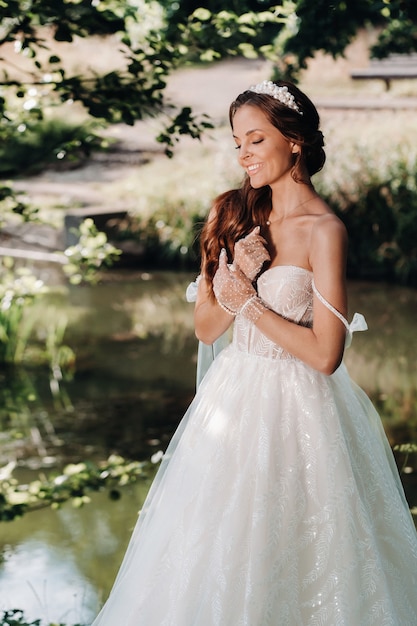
x=136 y=353
x=134 y=376
x=58 y=564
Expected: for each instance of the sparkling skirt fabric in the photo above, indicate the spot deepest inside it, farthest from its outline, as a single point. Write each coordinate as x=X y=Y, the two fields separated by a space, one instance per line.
x=278 y=503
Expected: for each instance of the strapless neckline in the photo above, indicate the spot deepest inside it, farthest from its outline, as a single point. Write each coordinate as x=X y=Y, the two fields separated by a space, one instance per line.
x=287 y=266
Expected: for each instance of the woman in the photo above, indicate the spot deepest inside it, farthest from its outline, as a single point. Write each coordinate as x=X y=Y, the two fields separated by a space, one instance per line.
x=278 y=501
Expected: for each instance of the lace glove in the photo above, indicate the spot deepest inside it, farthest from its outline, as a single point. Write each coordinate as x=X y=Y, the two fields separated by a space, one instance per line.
x=235 y=293
x=251 y=253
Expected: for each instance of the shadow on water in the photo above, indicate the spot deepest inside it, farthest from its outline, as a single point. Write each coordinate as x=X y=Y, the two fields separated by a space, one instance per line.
x=136 y=357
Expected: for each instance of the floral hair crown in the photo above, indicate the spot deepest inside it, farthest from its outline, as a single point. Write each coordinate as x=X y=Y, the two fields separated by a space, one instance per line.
x=279 y=93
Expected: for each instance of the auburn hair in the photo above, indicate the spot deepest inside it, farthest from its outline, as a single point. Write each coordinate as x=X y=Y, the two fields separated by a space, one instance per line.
x=236 y=212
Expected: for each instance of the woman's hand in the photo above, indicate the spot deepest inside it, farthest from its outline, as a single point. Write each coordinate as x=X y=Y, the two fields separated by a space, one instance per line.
x=231 y=287
x=250 y=254
x=235 y=292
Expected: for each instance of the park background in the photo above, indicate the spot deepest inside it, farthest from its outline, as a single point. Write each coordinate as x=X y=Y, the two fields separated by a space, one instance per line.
x=97 y=348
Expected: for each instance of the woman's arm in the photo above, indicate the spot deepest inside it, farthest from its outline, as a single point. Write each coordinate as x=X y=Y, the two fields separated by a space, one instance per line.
x=321 y=346
x=210 y=320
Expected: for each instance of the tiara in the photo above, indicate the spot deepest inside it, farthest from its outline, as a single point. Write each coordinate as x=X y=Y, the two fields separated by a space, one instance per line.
x=279 y=93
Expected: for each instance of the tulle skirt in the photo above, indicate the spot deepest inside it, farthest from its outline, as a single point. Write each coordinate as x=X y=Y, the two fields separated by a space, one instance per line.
x=278 y=503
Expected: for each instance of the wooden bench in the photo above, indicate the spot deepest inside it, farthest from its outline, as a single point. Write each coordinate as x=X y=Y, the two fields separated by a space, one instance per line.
x=393 y=67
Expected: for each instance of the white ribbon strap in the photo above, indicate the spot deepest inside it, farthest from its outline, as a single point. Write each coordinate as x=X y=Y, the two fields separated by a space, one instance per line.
x=358 y=321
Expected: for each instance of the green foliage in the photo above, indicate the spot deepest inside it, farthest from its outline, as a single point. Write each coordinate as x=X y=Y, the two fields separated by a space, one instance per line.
x=73 y=484
x=12 y=204
x=335 y=25
x=405 y=450
x=16 y=617
x=20 y=294
x=399 y=34
x=381 y=218
x=27 y=147
x=167 y=238
x=18 y=290
x=183 y=124
x=208 y=35
x=330 y=27
x=131 y=90
x=21 y=290
x=92 y=252
x=23 y=413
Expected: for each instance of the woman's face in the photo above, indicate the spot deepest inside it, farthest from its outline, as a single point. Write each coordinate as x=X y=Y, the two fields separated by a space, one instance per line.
x=264 y=153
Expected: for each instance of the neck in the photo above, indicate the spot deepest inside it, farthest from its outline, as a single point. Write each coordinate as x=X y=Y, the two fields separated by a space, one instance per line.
x=285 y=205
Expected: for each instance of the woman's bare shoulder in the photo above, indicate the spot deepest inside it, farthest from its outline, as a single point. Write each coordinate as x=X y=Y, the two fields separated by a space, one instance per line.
x=326 y=223
x=329 y=239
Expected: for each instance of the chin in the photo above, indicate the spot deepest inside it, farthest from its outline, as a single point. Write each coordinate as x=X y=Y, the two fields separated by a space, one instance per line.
x=255 y=184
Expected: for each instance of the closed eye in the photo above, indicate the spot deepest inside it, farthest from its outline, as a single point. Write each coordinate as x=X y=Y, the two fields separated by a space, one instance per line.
x=254 y=142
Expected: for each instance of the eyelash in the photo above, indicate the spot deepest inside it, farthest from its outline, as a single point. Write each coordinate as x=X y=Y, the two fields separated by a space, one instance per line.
x=257 y=141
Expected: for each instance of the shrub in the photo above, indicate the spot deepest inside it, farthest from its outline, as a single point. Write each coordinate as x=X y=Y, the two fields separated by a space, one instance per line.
x=166 y=239
x=381 y=219
x=16 y=617
x=27 y=147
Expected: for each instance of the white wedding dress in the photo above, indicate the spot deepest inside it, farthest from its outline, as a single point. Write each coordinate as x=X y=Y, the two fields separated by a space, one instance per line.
x=278 y=502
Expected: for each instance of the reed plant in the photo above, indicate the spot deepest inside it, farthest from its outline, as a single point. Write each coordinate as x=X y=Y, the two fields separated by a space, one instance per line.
x=18 y=290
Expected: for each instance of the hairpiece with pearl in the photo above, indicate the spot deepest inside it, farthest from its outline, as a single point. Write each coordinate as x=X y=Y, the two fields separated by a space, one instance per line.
x=282 y=94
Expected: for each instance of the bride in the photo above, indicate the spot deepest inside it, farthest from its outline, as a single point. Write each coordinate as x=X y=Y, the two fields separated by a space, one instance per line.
x=278 y=501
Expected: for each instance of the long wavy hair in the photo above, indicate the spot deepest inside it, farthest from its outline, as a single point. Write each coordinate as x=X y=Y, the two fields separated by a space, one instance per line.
x=237 y=211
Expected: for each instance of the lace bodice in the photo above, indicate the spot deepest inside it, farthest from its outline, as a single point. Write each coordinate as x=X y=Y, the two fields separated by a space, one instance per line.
x=286 y=289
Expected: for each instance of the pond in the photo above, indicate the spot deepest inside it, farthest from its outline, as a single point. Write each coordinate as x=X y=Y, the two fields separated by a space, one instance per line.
x=134 y=377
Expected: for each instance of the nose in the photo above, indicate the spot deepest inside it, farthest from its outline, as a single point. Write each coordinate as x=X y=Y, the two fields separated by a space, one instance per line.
x=244 y=152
